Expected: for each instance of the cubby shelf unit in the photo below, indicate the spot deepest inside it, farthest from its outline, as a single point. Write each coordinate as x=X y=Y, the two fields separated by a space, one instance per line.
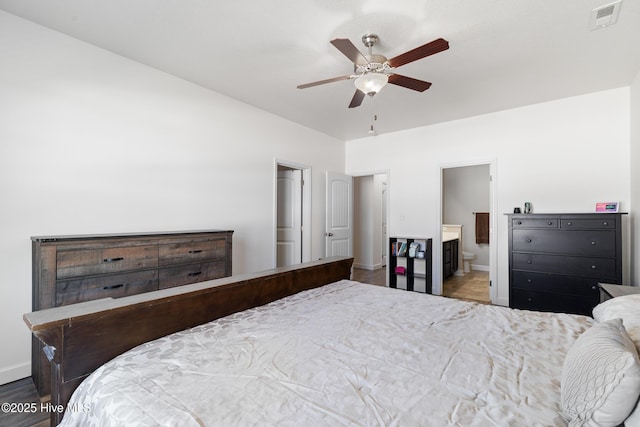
x=417 y=270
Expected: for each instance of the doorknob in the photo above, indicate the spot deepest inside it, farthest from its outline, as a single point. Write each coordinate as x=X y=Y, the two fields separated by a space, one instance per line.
x=328 y=234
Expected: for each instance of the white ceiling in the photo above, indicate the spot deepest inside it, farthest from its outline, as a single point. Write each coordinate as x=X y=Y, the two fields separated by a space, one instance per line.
x=503 y=53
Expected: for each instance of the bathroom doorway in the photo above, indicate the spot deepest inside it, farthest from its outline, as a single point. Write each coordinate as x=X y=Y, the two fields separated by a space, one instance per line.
x=467 y=215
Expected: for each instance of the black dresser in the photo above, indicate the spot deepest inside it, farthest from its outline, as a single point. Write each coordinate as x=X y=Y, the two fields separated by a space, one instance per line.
x=557 y=260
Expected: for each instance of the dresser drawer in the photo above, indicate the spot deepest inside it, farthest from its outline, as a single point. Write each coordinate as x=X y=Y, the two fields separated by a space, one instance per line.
x=544 y=301
x=583 y=242
x=534 y=222
x=603 y=268
x=589 y=224
x=114 y=286
x=87 y=262
x=185 y=274
x=193 y=251
x=555 y=283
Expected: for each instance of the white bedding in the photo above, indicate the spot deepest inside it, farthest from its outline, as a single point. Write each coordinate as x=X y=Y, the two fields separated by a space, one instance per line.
x=344 y=354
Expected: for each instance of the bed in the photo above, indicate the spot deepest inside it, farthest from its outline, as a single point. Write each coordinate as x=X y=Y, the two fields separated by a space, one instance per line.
x=308 y=346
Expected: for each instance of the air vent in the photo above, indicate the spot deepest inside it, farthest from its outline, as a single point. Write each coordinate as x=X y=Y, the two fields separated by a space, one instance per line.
x=605 y=15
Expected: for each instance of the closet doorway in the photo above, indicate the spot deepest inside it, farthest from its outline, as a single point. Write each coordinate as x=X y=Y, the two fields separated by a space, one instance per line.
x=468 y=216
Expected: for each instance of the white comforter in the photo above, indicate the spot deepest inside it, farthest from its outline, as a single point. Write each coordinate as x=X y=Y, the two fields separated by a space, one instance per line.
x=344 y=354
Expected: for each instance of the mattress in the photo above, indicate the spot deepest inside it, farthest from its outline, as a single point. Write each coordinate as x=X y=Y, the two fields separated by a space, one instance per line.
x=347 y=354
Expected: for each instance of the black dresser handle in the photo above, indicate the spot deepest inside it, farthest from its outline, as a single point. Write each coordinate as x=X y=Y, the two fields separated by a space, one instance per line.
x=197 y=251
x=593 y=243
x=528 y=240
x=107 y=288
x=113 y=259
x=550 y=223
x=195 y=274
x=593 y=267
x=605 y=223
x=569 y=223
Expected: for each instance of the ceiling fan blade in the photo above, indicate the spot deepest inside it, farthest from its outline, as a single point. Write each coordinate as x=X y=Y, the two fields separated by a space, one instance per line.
x=357 y=99
x=420 y=52
x=321 y=82
x=409 y=82
x=349 y=50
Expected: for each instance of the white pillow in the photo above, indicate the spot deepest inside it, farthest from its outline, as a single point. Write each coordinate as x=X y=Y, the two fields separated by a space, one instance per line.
x=627 y=308
x=600 y=382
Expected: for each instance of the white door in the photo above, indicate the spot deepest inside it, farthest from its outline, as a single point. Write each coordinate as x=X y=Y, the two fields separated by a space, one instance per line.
x=339 y=215
x=289 y=220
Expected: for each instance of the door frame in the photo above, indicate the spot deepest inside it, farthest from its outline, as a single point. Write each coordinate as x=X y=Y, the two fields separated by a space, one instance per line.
x=493 y=229
x=306 y=208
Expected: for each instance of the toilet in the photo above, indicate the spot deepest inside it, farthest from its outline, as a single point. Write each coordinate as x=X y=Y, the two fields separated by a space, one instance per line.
x=466 y=259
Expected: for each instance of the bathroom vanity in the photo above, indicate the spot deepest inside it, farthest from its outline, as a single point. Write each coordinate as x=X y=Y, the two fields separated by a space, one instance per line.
x=450 y=254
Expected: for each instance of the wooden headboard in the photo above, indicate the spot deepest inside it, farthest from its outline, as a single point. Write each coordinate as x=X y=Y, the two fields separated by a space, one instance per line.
x=79 y=338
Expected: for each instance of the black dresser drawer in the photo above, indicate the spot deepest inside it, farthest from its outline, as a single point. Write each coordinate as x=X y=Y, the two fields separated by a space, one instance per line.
x=559 y=303
x=603 y=268
x=601 y=243
x=552 y=283
x=532 y=222
x=588 y=224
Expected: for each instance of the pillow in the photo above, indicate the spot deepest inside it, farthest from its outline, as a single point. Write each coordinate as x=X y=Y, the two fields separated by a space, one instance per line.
x=600 y=382
x=627 y=308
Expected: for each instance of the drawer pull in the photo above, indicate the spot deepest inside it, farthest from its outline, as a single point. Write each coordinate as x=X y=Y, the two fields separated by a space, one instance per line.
x=528 y=261
x=594 y=287
x=519 y=222
x=593 y=267
x=195 y=274
x=197 y=251
x=529 y=281
x=528 y=240
x=605 y=223
x=108 y=288
x=113 y=259
x=593 y=243
x=549 y=223
x=569 y=223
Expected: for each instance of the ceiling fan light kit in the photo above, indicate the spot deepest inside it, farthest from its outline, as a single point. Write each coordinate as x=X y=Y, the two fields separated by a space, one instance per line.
x=373 y=72
x=371 y=83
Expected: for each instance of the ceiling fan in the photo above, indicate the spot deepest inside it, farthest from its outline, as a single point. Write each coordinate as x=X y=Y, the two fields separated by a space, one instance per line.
x=372 y=72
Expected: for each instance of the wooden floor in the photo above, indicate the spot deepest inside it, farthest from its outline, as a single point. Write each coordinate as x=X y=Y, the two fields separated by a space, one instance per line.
x=473 y=286
x=23 y=393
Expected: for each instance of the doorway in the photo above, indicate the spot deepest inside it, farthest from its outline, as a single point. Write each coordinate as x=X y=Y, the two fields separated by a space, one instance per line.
x=292 y=216
x=370 y=202
x=466 y=224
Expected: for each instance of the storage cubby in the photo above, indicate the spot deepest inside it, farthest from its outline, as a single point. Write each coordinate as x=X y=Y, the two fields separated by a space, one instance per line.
x=407 y=269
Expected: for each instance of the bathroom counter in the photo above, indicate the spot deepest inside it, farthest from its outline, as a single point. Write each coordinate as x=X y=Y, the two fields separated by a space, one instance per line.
x=448 y=236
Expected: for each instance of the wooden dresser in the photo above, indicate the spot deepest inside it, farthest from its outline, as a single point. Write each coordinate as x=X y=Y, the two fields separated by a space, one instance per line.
x=557 y=260
x=72 y=269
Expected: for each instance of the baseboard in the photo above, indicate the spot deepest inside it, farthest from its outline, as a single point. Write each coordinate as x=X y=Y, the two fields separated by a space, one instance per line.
x=14 y=373
x=479 y=267
x=367 y=266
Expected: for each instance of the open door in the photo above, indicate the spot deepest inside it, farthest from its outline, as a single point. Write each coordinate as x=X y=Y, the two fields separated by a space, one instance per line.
x=289 y=217
x=339 y=215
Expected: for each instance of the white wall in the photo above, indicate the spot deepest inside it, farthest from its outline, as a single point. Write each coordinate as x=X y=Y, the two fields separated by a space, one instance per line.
x=634 y=158
x=93 y=143
x=563 y=156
